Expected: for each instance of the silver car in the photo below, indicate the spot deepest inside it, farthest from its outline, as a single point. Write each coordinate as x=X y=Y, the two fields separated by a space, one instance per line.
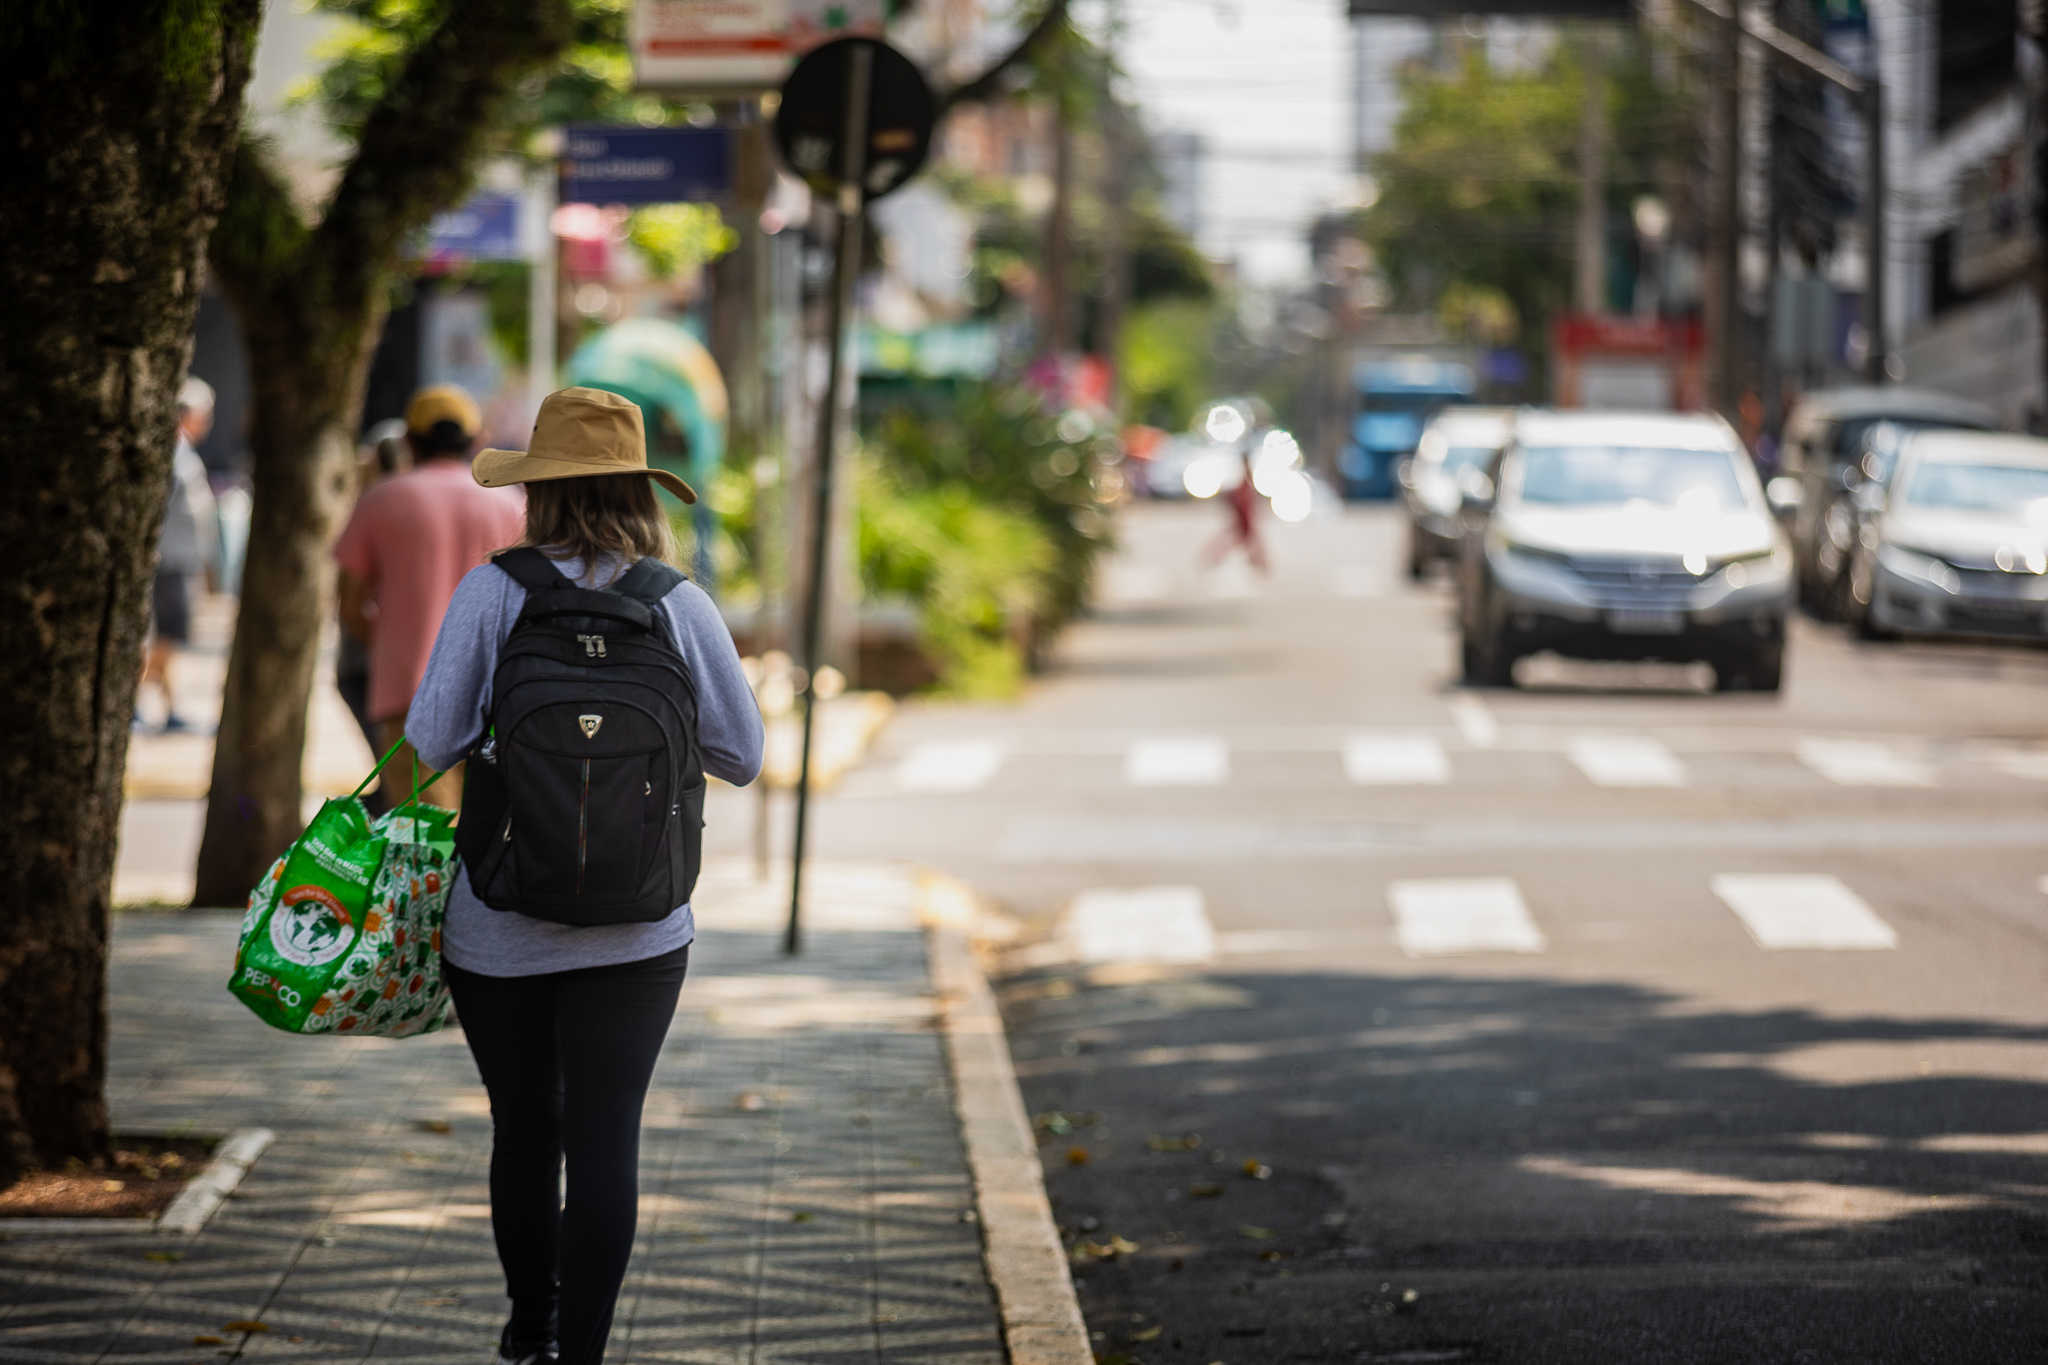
x=1625 y=536
x=1457 y=443
x=1955 y=542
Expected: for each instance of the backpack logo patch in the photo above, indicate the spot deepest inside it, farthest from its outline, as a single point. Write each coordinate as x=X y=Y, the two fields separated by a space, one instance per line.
x=590 y=725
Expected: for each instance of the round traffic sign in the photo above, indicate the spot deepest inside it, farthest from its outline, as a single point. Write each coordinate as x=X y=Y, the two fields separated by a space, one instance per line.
x=810 y=122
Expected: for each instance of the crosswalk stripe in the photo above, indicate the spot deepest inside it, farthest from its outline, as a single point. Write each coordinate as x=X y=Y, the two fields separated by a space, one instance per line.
x=1626 y=761
x=2031 y=764
x=1177 y=761
x=951 y=765
x=1475 y=722
x=1784 y=910
x=1863 y=763
x=1139 y=924
x=1442 y=917
x=1392 y=760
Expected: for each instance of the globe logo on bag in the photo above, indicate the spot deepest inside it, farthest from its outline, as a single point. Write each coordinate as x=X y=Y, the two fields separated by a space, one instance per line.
x=309 y=927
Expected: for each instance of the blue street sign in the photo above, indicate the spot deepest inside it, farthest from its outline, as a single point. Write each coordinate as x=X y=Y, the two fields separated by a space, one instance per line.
x=484 y=228
x=645 y=165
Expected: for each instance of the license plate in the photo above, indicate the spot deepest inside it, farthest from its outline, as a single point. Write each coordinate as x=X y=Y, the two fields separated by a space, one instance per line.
x=1646 y=622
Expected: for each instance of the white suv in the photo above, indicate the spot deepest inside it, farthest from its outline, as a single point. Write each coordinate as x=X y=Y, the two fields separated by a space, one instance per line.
x=1625 y=536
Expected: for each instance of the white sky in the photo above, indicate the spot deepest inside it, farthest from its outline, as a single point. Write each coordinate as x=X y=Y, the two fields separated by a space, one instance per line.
x=1267 y=85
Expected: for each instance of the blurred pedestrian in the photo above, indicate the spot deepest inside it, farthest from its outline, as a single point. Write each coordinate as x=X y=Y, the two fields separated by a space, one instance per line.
x=383 y=454
x=567 y=1015
x=184 y=553
x=407 y=544
x=1243 y=528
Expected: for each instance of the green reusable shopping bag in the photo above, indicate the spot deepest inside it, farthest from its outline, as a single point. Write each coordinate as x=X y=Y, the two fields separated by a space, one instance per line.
x=343 y=934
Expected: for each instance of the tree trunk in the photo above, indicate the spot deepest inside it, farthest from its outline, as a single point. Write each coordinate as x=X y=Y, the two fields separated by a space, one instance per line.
x=311 y=302
x=118 y=122
x=304 y=399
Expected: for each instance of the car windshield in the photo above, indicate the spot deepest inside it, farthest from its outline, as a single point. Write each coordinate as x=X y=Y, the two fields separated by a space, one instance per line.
x=1467 y=457
x=1602 y=476
x=2012 y=490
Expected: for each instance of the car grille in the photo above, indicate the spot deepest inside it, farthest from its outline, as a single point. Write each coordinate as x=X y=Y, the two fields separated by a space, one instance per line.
x=1652 y=584
x=1997 y=585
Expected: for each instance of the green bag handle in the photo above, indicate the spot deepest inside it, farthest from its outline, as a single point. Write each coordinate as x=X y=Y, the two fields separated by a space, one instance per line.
x=417 y=785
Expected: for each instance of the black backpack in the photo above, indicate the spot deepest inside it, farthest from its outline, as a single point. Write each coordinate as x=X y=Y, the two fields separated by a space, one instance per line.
x=584 y=801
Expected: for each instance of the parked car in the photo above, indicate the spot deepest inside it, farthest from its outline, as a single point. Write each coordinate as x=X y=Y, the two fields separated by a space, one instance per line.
x=1824 y=446
x=1955 y=541
x=1456 y=440
x=1624 y=536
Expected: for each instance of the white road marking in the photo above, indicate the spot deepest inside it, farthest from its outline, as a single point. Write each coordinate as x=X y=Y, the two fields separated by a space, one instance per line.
x=1626 y=761
x=1393 y=760
x=2042 y=886
x=1784 y=910
x=1864 y=763
x=1359 y=580
x=1443 y=917
x=1139 y=924
x=1177 y=761
x=2031 y=764
x=950 y=765
x=1475 y=722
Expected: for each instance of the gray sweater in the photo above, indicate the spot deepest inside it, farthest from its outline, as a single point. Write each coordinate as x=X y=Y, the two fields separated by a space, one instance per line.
x=448 y=716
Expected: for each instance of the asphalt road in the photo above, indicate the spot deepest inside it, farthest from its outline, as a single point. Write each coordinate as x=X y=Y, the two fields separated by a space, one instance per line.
x=1604 y=1019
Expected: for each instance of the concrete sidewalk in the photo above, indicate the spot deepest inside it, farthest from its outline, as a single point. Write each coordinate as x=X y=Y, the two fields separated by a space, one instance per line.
x=805 y=1189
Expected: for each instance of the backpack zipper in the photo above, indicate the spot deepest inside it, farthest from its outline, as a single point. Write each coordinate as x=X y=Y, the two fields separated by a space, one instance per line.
x=583 y=828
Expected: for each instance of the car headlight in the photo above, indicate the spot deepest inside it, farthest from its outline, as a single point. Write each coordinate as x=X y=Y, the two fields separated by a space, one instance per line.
x=1924 y=568
x=1528 y=556
x=1759 y=566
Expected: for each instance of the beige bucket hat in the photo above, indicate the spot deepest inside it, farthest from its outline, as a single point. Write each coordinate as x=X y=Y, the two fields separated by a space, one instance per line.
x=580 y=432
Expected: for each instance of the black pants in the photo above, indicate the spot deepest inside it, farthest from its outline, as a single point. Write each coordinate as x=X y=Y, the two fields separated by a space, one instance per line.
x=567 y=1058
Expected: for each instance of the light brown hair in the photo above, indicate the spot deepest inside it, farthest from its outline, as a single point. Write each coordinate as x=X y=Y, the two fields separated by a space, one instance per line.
x=598 y=516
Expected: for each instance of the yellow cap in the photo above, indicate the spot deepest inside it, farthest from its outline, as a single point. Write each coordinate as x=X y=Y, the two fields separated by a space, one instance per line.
x=443 y=403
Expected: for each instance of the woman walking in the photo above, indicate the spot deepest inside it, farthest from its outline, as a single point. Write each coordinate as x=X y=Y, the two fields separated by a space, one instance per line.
x=566 y=1002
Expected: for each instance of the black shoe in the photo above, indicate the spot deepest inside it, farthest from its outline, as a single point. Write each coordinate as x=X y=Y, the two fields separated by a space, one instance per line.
x=524 y=1352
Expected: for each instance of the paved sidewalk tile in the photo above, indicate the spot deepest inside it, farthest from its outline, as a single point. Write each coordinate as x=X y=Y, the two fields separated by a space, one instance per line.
x=802 y=1174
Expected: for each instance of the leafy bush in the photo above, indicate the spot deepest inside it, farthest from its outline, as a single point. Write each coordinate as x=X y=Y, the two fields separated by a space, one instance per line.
x=979 y=575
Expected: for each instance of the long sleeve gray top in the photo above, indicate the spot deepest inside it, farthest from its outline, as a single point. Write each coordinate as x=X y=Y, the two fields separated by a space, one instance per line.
x=448 y=716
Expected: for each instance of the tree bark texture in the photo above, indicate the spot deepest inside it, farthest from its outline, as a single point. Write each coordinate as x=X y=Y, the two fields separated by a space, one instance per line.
x=311 y=299
x=116 y=124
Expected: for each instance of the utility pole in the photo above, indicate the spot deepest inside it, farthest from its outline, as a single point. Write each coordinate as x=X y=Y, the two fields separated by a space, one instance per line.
x=1589 y=293
x=1868 y=94
x=1724 y=231
x=1054 y=308
x=1116 y=244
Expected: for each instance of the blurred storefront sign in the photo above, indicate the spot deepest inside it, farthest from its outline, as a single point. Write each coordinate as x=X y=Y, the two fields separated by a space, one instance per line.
x=966 y=350
x=1626 y=362
x=730 y=46
x=645 y=165
x=1994 y=242
x=485 y=228
x=1454 y=10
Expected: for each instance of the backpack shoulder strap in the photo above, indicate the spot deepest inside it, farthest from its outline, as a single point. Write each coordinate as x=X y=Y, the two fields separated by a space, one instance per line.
x=648 y=581
x=531 y=569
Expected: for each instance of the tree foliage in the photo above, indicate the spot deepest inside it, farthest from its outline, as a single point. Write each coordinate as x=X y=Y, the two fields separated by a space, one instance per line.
x=1479 y=192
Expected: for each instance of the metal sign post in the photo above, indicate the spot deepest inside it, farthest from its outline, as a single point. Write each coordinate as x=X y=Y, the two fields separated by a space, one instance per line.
x=860 y=65
x=846 y=101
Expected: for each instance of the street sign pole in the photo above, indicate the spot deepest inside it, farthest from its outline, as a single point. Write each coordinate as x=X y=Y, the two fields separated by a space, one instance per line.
x=852 y=207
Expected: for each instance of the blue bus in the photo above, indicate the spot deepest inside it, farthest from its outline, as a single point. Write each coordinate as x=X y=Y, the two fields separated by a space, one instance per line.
x=1396 y=398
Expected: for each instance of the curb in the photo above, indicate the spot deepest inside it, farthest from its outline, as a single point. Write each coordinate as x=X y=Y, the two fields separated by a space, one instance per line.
x=1021 y=1248
x=188 y=1213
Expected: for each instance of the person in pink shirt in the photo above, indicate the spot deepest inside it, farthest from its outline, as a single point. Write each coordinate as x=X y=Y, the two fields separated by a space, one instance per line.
x=407 y=544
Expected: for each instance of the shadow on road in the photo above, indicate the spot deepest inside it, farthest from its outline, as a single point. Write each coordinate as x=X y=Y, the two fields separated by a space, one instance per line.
x=1533 y=1170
